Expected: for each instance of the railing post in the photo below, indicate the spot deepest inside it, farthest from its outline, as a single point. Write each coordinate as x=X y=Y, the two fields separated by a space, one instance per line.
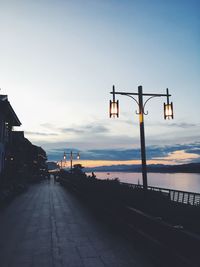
x=188 y=200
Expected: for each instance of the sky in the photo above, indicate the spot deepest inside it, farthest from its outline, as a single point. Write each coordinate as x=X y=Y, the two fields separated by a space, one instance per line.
x=59 y=60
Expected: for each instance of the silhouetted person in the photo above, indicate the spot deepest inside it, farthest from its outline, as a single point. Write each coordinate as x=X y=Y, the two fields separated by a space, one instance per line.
x=54 y=178
x=48 y=177
x=93 y=175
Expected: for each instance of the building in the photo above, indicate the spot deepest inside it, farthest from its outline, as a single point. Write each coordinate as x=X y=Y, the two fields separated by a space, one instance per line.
x=19 y=158
x=8 y=119
x=28 y=159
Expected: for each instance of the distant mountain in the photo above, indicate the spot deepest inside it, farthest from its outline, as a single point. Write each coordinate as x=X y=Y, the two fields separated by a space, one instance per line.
x=115 y=168
x=190 y=168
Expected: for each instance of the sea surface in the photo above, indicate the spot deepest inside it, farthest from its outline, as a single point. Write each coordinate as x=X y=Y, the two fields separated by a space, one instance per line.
x=178 y=181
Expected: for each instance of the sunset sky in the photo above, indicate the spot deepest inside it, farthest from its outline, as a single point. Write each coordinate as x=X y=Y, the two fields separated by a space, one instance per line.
x=60 y=58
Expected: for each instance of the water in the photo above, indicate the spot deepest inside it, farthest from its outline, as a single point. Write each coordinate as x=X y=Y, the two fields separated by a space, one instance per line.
x=178 y=181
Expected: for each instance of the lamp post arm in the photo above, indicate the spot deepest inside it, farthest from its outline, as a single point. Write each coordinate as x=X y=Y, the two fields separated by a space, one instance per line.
x=133 y=99
x=123 y=93
x=136 y=103
x=126 y=93
x=136 y=94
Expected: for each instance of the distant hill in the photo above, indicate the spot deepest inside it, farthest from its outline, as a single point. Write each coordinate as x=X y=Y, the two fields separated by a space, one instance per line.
x=190 y=168
x=187 y=168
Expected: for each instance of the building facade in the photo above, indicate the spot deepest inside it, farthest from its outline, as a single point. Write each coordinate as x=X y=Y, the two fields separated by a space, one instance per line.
x=8 y=119
x=19 y=158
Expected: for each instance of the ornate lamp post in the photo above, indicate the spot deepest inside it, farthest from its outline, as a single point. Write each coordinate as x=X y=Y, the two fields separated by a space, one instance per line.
x=71 y=154
x=64 y=158
x=168 y=114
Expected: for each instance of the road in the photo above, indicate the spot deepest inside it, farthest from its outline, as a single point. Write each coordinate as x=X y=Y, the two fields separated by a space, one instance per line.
x=49 y=227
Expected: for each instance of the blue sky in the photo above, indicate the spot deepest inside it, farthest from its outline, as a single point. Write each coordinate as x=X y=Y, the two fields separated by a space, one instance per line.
x=59 y=60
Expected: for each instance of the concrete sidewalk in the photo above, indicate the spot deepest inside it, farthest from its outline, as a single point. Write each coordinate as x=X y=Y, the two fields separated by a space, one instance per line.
x=48 y=227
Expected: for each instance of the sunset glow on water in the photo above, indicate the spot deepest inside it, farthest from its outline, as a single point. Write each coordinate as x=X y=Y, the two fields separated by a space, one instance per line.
x=179 y=181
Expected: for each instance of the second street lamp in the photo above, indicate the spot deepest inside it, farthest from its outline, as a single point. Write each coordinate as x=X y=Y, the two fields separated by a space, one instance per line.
x=71 y=154
x=168 y=114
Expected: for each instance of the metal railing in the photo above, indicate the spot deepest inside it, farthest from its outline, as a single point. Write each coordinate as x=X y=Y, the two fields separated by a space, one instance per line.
x=184 y=197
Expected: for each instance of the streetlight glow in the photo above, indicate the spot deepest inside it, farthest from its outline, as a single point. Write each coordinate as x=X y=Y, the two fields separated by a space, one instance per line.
x=168 y=108
x=114 y=109
x=168 y=111
x=114 y=106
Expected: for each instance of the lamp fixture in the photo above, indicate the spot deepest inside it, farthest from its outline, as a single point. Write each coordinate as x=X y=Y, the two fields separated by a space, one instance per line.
x=114 y=106
x=168 y=108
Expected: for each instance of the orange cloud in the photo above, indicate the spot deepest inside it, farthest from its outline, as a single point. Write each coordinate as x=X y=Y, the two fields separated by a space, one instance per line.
x=179 y=156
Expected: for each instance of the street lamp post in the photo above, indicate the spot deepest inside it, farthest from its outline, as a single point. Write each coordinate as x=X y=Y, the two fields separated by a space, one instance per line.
x=71 y=154
x=142 y=137
x=168 y=113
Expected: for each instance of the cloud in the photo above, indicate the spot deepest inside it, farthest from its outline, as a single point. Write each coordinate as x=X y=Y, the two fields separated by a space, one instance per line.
x=193 y=150
x=130 y=122
x=40 y=133
x=100 y=135
x=184 y=125
x=179 y=153
x=82 y=135
x=101 y=154
x=89 y=141
x=91 y=128
x=71 y=130
x=180 y=156
x=48 y=126
x=97 y=141
x=112 y=154
x=58 y=154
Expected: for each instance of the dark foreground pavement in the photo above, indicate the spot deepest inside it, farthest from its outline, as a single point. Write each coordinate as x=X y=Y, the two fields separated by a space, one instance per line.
x=48 y=227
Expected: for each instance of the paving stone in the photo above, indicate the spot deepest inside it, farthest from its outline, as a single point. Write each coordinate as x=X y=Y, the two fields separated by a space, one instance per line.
x=87 y=251
x=49 y=227
x=93 y=262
